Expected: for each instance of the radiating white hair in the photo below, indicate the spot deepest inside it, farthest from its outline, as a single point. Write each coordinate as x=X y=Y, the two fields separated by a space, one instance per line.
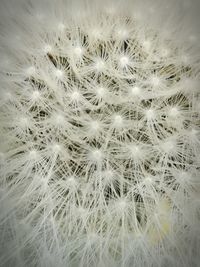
x=99 y=127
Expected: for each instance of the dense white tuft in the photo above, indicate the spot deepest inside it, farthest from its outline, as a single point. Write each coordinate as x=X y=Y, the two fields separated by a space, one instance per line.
x=100 y=133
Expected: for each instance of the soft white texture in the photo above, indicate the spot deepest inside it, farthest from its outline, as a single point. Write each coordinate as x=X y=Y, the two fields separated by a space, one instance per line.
x=100 y=143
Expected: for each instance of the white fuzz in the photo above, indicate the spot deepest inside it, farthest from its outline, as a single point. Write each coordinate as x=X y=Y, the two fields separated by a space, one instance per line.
x=99 y=127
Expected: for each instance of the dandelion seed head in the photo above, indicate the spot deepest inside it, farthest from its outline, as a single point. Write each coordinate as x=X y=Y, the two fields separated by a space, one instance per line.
x=101 y=91
x=168 y=146
x=135 y=91
x=47 y=49
x=33 y=154
x=99 y=149
x=150 y=114
x=75 y=96
x=117 y=121
x=78 y=51
x=173 y=112
x=59 y=74
x=124 y=61
x=99 y=65
x=155 y=81
x=35 y=95
x=56 y=147
x=96 y=155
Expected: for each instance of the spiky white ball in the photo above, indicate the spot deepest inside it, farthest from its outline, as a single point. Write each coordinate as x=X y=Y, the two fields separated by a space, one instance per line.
x=99 y=155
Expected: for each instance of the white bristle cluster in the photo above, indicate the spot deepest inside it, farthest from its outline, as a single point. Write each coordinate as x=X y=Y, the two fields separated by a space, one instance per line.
x=100 y=121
